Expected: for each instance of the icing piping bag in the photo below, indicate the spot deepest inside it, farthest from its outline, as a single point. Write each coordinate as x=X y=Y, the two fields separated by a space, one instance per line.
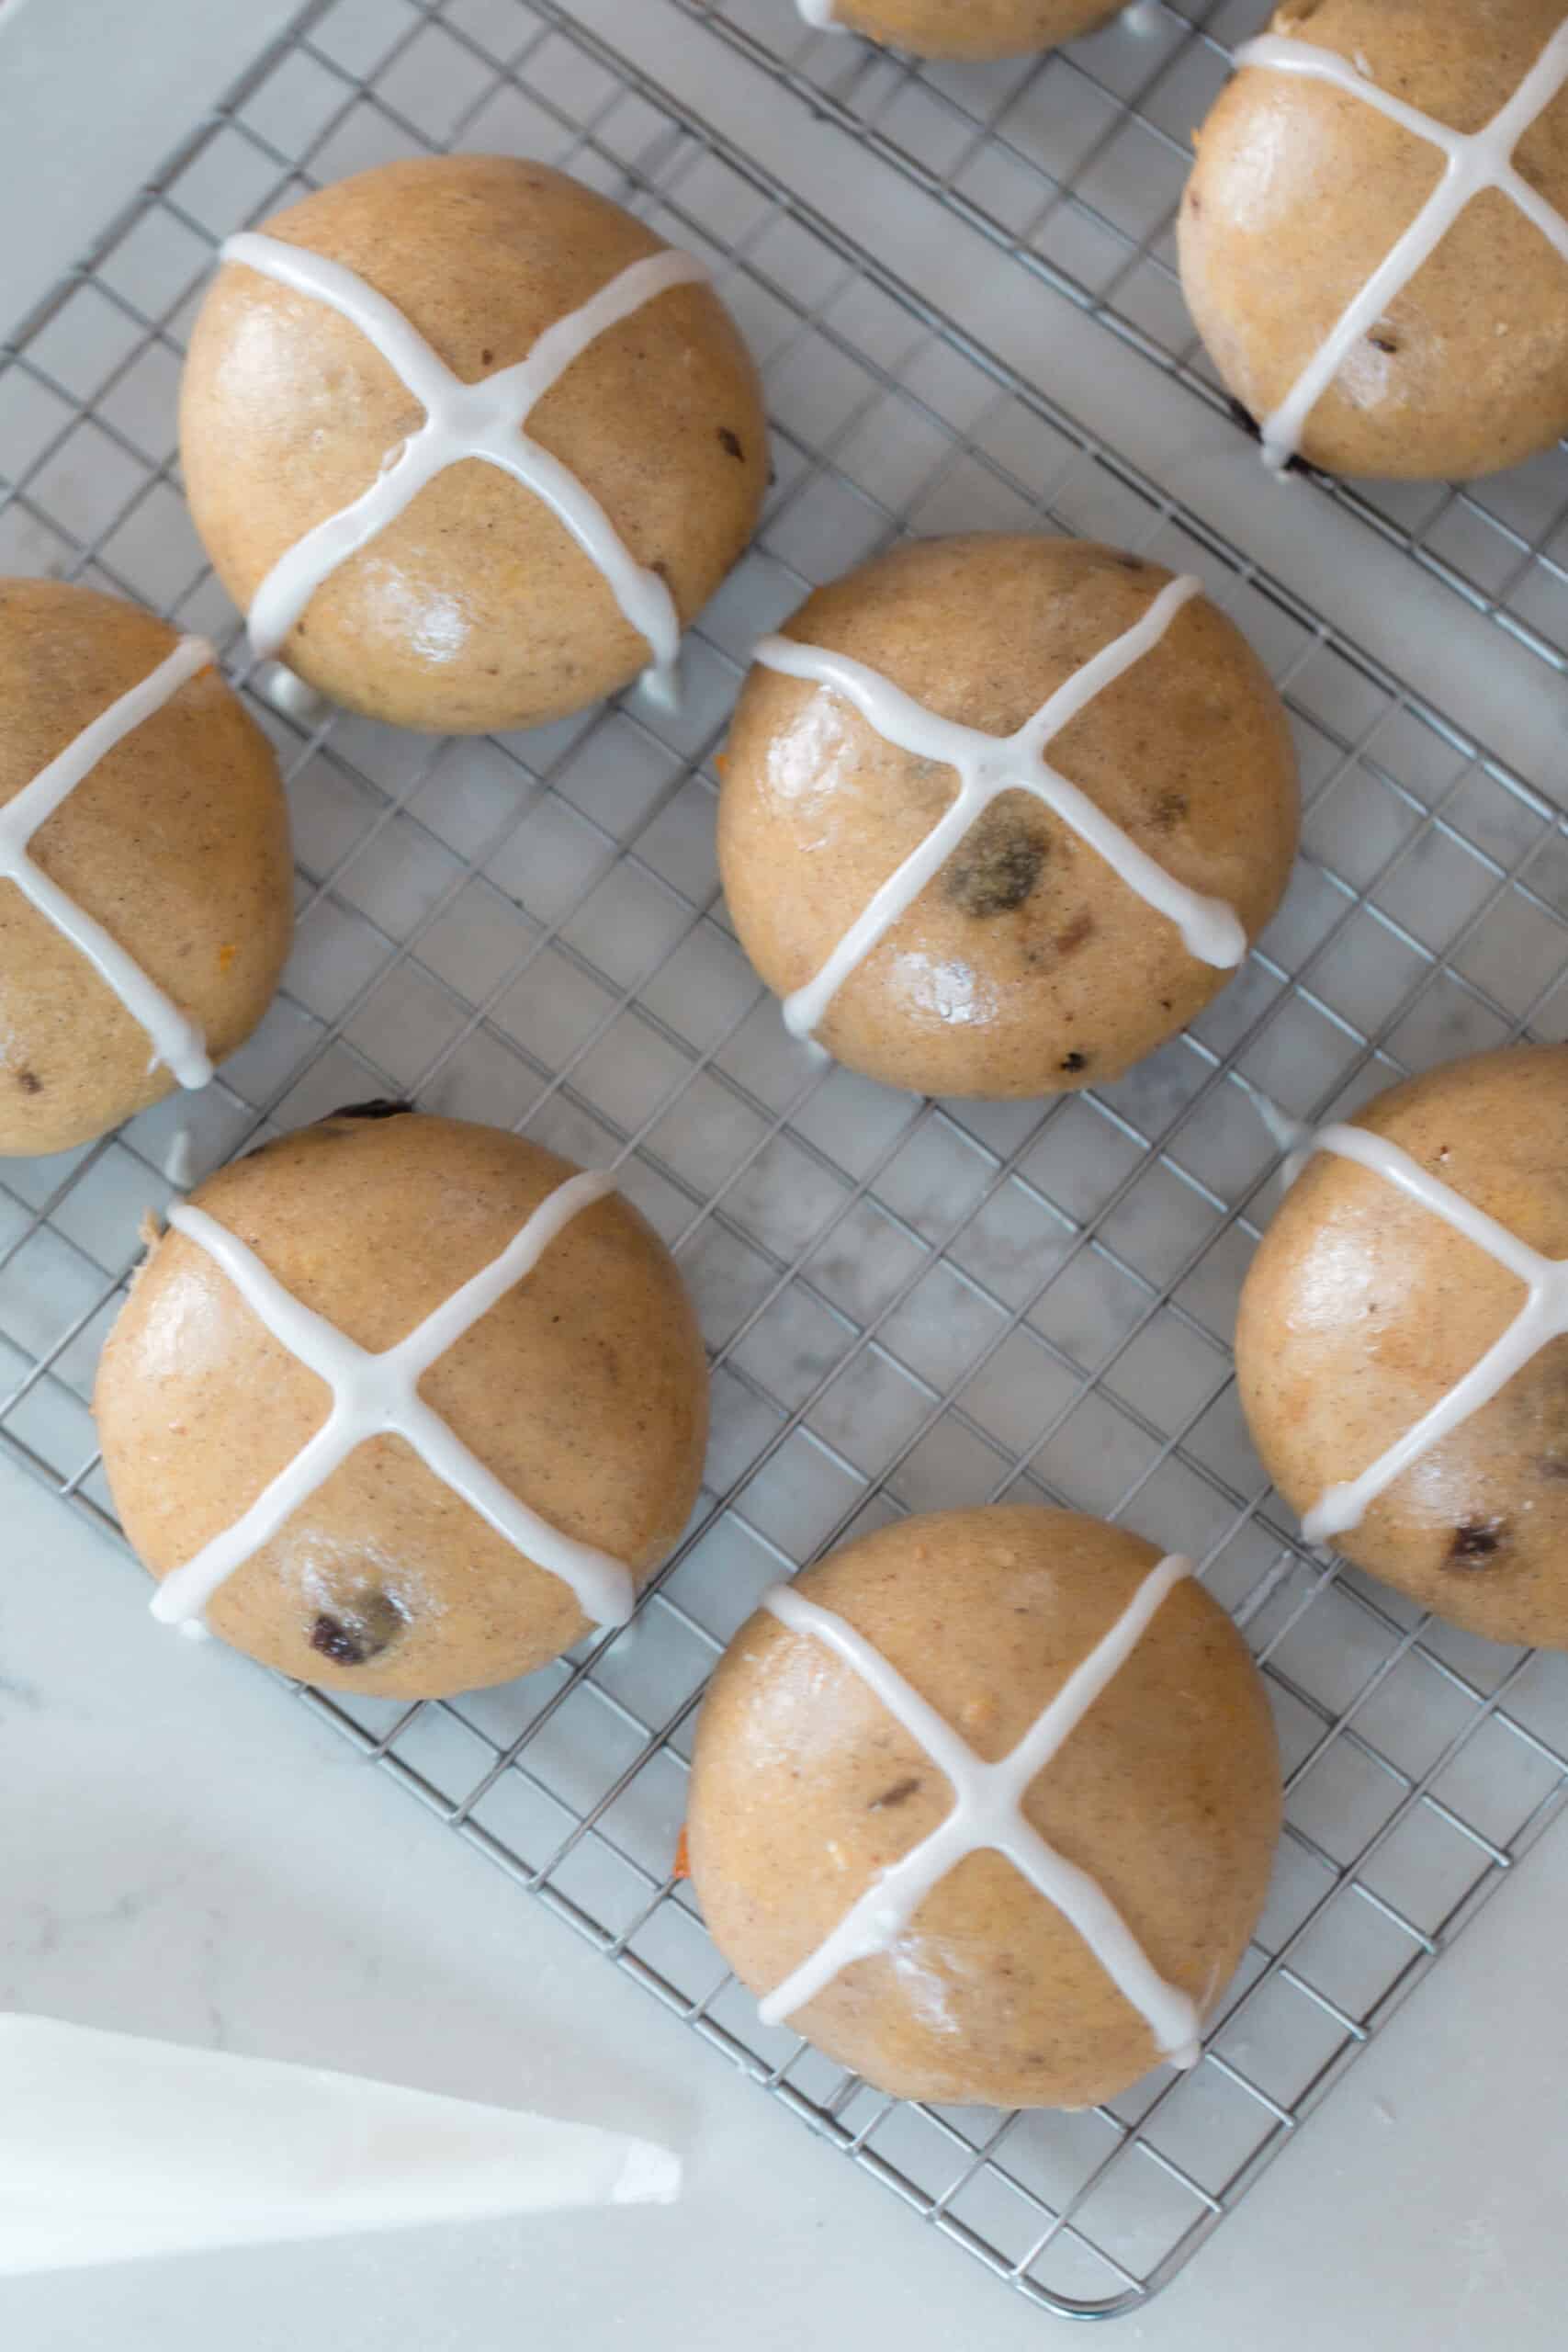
x=113 y=2147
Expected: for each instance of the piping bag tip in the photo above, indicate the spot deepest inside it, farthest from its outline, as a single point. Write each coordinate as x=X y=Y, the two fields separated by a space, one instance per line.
x=651 y=2176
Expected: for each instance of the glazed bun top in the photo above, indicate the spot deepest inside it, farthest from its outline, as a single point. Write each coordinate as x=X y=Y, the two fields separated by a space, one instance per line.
x=984 y=1804
x=350 y=356
x=1405 y=1395
x=1372 y=309
x=404 y=1404
x=147 y=906
x=1001 y=812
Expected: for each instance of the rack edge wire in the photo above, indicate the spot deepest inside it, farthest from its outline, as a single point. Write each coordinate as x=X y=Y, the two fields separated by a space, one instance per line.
x=826 y=2120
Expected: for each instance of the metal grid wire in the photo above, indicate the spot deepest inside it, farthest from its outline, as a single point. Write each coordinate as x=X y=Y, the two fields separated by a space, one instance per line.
x=908 y=1303
x=1073 y=164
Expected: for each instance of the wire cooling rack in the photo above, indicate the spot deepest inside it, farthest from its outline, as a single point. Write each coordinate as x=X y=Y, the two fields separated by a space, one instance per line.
x=1073 y=165
x=908 y=1303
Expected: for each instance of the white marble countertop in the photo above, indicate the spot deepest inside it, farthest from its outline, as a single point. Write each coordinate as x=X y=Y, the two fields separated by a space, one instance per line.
x=187 y=1853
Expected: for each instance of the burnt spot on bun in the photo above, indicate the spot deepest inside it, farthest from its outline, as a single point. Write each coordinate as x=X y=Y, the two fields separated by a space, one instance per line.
x=1477 y=1542
x=1254 y=431
x=996 y=866
x=899 y=1793
x=359 y=1630
x=731 y=443
x=1244 y=417
x=386 y=1107
x=1074 y=1062
x=29 y=1081
x=335 y=1124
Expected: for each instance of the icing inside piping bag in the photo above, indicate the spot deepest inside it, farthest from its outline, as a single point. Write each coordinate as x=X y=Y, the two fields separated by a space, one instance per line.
x=112 y=2147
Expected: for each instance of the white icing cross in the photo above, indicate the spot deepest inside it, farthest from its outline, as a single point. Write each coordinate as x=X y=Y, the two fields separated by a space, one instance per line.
x=1541 y=1318
x=1476 y=161
x=987 y=1813
x=379 y=1395
x=176 y=1040
x=988 y=766
x=484 y=420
